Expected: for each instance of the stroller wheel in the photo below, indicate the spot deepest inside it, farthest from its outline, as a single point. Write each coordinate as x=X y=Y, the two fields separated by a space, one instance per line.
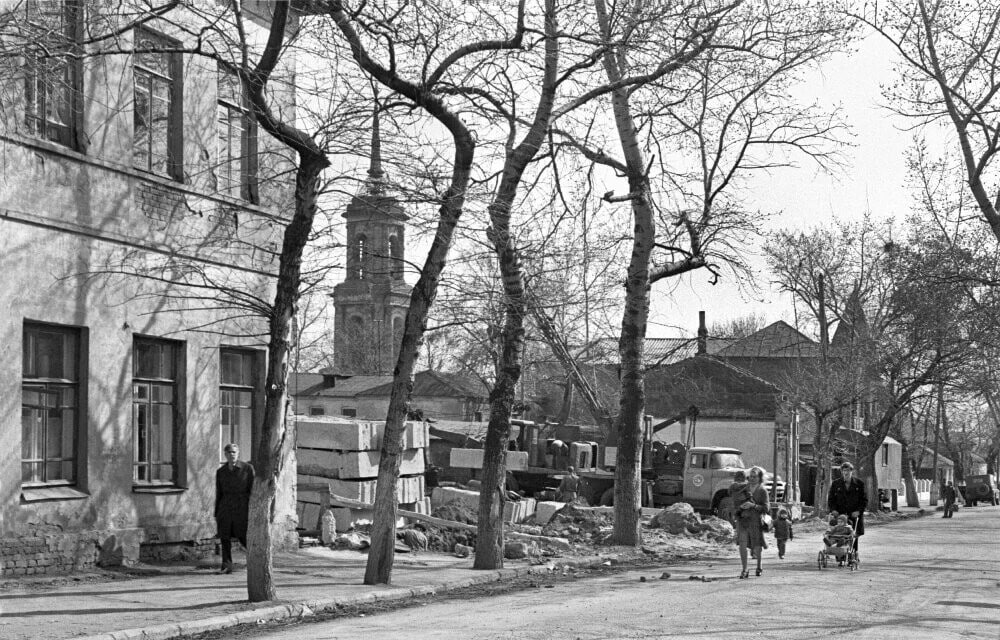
x=820 y=561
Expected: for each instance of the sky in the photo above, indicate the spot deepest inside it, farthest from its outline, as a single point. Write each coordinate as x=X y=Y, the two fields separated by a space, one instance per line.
x=873 y=179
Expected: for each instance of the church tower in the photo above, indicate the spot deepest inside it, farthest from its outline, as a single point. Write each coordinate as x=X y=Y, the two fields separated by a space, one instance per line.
x=370 y=304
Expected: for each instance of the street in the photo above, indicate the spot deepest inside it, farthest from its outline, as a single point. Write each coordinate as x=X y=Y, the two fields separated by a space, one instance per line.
x=922 y=578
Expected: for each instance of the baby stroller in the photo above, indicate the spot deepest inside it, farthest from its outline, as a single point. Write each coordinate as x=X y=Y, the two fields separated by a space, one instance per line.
x=842 y=549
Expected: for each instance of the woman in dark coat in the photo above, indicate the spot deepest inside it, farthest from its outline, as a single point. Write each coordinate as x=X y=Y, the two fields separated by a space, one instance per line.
x=848 y=496
x=748 y=529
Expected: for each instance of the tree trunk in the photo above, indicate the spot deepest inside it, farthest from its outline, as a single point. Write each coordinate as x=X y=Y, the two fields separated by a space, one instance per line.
x=492 y=495
x=912 y=499
x=867 y=460
x=823 y=466
x=273 y=445
x=632 y=402
x=383 y=533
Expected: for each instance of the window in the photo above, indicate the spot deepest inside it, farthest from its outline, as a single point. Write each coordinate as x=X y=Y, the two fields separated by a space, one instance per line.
x=157 y=136
x=317 y=411
x=155 y=398
x=49 y=405
x=396 y=256
x=363 y=257
x=349 y=412
x=697 y=461
x=885 y=455
x=236 y=166
x=727 y=461
x=236 y=394
x=52 y=81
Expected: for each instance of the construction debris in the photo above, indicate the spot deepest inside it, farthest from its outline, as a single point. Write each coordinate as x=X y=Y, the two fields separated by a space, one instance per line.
x=681 y=519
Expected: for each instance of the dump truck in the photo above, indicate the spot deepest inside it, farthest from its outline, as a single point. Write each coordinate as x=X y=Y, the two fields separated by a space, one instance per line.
x=671 y=473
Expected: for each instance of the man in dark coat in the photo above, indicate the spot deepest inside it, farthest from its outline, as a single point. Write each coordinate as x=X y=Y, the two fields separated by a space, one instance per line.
x=233 y=482
x=950 y=495
x=848 y=496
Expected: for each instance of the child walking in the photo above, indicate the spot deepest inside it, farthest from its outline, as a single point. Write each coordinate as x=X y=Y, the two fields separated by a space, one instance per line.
x=783 y=531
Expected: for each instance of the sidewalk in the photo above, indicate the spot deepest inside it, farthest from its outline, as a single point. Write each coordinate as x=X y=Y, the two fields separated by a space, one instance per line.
x=183 y=599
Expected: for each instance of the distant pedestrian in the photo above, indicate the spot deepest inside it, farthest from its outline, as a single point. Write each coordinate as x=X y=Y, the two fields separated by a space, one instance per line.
x=783 y=531
x=233 y=483
x=848 y=496
x=749 y=533
x=569 y=488
x=950 y=496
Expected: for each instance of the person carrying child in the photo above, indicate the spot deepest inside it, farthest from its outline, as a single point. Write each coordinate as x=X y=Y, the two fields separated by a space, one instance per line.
x=783 y=531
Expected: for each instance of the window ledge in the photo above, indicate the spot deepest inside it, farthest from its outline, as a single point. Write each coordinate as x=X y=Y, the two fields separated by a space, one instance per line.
x=40 y=494
x=157 y=490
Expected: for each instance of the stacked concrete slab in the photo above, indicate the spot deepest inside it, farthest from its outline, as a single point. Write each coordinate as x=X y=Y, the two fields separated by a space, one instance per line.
x=343 y=456
x=514 y=511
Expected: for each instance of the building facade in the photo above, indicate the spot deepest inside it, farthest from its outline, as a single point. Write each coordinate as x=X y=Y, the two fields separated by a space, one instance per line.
x=136 y=198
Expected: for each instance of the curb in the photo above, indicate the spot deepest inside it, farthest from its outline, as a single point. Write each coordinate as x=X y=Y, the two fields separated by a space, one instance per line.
x=305 y=609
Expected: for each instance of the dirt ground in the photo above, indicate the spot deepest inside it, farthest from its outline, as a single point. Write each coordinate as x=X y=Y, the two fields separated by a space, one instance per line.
x=925 y=578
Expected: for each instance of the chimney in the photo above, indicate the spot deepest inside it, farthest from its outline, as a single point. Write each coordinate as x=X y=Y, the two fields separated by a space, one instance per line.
x=702 y=335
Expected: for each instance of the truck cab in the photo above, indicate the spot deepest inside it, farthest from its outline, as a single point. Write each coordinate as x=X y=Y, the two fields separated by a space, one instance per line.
x=708 y=473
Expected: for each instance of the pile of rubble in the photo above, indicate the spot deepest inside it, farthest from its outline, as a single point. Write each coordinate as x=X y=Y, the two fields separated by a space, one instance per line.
x=681 y=519
x=580 y=525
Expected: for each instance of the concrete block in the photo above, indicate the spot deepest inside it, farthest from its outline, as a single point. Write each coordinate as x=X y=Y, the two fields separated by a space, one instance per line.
x=347 y=519
x=422 y=506
x=473 y=459
x=450 y=495
x=545 y=510
x=519 y=511
x=408 y=489
x=364 y=464
x=331 y=432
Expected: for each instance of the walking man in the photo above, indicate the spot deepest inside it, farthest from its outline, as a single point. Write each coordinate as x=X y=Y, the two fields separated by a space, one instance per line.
x=950 y=495
x=233 y=482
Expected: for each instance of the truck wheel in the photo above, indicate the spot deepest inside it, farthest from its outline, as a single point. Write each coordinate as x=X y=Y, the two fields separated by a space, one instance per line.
x=608 y=498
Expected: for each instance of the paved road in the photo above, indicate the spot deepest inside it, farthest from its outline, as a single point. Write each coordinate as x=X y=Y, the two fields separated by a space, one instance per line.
x=926 y=578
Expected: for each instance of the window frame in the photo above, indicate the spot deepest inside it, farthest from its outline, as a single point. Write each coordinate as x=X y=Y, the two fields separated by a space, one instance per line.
x=255 y=388
x=48 y=384
x=178 y=415
x=42 y=68
x=248 y=161
x=885 y=454
x=175 y=109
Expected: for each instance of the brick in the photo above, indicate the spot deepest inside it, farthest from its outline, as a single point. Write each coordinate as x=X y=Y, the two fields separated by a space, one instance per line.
x=473 y=459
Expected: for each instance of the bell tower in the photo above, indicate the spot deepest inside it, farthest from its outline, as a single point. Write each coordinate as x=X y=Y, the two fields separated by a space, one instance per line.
x=370 y=304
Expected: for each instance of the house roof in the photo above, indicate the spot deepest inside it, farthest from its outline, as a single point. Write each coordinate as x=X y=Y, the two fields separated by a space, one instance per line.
x=777 y=340
x=432 y=383
x=353 y=386
x=718 y=388
x=927 y=461
x=303 y=383
x=657 y=351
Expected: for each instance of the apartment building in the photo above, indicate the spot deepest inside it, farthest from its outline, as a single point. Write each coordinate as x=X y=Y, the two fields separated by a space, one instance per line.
x=139 y=206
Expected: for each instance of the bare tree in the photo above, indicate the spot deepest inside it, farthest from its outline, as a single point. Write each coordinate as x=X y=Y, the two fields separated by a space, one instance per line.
x=949 y=78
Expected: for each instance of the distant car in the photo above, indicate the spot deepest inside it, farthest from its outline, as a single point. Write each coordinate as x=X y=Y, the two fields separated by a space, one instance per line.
x=981 y=488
